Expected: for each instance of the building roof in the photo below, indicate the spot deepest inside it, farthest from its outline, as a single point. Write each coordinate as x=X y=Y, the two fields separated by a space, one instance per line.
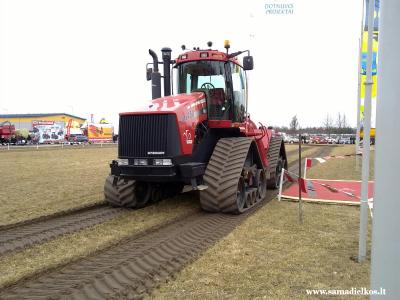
x=37 y=115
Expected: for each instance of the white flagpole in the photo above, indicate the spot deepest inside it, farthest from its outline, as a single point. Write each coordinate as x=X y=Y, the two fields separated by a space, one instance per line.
x=362 y=242
x=359 y=82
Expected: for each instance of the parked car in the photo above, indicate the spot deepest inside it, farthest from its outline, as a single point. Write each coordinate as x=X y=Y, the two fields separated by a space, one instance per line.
x=77 y=139
x=345 y=140
x=21 y=142
x=290 y=139
x=331 y=141
x=318 y=140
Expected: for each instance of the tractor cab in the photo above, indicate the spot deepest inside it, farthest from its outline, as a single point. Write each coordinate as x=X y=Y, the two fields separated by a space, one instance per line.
x=209 y=77
x=220 y=76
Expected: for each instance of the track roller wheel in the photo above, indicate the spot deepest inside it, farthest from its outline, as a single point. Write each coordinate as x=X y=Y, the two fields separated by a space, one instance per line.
x=143 y=193
x=261 y=184
x=156 y=194
x=241 y=199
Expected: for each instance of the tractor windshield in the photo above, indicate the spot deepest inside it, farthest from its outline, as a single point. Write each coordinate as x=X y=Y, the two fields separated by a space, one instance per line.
x=209 y=77
x=196 y=75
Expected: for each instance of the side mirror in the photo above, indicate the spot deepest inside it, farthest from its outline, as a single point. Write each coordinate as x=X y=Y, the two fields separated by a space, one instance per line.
x=248 y=63
x=148 y=73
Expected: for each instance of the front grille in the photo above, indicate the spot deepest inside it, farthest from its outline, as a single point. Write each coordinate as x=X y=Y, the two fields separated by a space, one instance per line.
x=148 y=136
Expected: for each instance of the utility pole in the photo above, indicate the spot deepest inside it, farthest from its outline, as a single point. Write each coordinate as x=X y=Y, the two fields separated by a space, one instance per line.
x=385 y=266
x=362 y=241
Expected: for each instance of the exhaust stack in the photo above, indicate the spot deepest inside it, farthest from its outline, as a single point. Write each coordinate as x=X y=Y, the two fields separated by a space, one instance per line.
x=155 y=77
x=166 y=57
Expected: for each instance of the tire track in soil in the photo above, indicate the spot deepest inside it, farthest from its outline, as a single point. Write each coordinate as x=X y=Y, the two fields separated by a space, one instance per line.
x=134 y=267
x=53 y=215
x=18 y=238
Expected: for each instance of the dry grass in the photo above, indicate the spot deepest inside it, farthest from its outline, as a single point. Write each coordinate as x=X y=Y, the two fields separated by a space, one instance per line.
x=41 y=182
x=48 y=180
x=59 y=252
x=306 y=151
x=272 y=256
x=348 y=168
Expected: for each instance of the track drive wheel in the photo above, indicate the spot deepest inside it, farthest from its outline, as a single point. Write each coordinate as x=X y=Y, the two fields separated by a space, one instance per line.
x=143 y=193
x=274 y=181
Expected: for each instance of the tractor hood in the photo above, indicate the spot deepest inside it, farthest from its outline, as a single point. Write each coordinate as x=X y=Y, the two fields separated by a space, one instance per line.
x=175 y=103
x=190 y=110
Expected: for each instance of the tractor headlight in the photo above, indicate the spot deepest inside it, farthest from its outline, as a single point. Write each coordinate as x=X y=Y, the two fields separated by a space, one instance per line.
x=162 y=162
x=122 y=162
x=167 y=162
x=140 y=162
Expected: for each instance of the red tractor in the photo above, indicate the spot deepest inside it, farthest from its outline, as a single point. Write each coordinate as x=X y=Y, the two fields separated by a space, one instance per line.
x=7 y=131
x=201 y=136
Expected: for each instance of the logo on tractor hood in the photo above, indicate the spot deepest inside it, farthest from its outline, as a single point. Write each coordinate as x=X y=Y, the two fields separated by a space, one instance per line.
x=188 y=137
x=155 y=153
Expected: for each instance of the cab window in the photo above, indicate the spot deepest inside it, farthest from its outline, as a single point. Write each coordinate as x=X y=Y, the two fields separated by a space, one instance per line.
x=209 y=77
x=239 y=93
x=200 y=74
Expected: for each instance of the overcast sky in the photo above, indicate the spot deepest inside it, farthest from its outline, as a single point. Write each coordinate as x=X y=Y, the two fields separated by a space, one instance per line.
x=89 y=56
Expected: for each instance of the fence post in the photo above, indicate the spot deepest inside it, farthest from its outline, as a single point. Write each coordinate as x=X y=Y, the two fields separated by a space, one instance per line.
x=305 y=168
x=300 y=202
x=280 y=185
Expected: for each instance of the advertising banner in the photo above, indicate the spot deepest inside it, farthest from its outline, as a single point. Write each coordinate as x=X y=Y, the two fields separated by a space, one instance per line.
x=48 y=132
x=73 y=127
x=364 y=50
x=99 y=132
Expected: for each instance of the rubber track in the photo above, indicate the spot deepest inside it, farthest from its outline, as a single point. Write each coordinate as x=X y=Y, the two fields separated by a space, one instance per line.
x=273 y=153
x=134 y=267
x=121 y=194
x=21 y=237
x=222 y=174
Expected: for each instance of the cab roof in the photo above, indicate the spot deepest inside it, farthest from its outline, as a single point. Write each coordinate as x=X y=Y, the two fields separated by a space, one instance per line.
x=215 y=55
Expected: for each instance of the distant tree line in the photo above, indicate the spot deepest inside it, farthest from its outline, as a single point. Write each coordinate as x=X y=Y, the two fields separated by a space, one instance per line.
x=327 y=127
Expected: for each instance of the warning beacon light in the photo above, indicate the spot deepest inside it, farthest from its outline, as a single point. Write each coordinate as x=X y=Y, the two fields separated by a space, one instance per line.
x=227 y=45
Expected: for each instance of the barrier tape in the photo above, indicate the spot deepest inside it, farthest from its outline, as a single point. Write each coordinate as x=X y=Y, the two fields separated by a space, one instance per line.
x=289 y=177
x=307 y=186
x=308 y=161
